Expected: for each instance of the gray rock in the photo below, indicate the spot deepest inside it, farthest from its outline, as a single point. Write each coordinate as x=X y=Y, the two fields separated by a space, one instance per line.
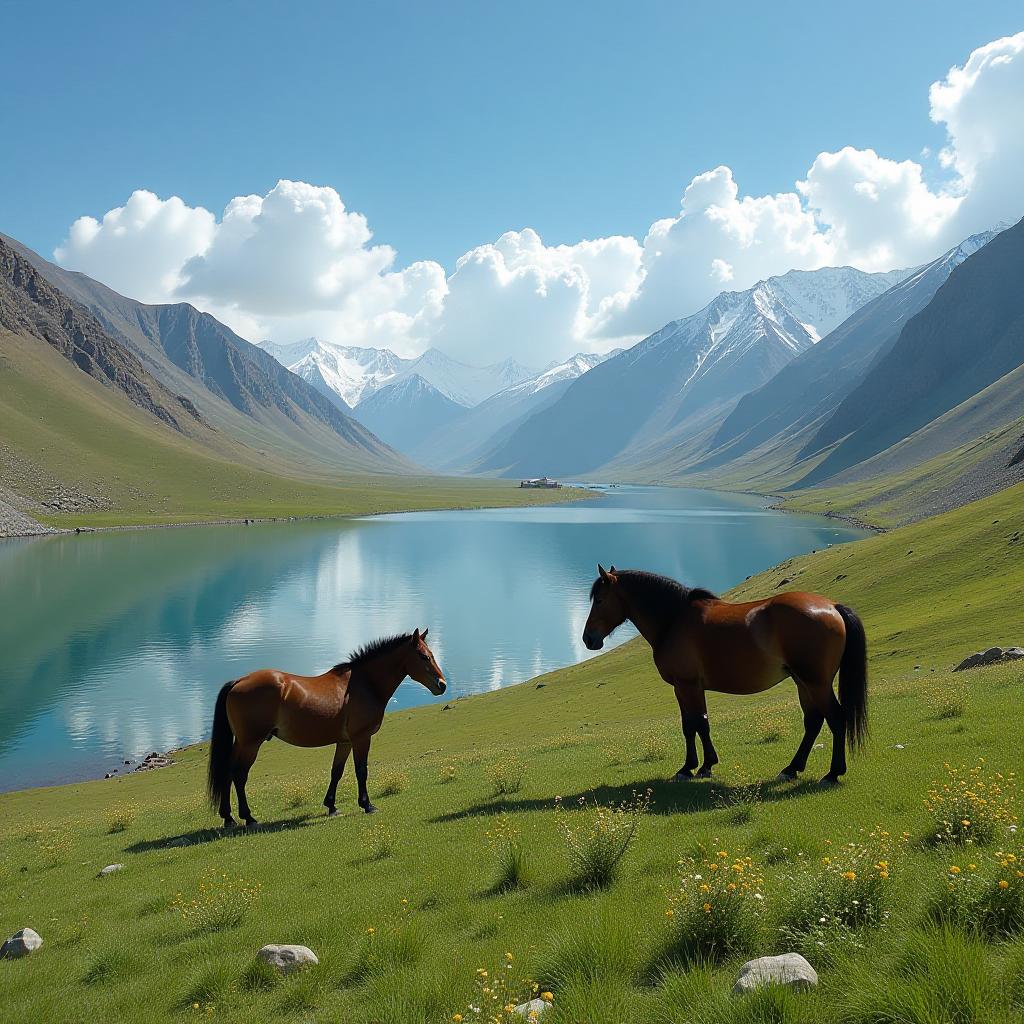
x=990 y=657
x=110 y=869
x=789 y=969
x=287 y=958
x=537 y=1006
x=21 y=943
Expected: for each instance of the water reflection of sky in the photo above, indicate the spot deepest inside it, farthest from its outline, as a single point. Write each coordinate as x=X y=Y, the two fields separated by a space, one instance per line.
x=116 y=644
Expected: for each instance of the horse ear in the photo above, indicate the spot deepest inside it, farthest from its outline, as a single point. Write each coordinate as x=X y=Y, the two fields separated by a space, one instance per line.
x=423 y=635
x=601 y=572
x=612 y=570
x=416 y=636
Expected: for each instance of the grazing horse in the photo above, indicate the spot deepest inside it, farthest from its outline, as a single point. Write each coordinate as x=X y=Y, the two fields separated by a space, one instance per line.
x=344 y=707
x=701 y=642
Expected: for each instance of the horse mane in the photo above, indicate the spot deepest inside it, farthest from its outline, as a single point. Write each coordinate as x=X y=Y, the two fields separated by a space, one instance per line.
x=367 y=652
x=657 y=594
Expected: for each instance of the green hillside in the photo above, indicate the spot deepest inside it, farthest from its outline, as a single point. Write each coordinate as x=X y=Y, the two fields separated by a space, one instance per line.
x=67 y=438
x=405 y=908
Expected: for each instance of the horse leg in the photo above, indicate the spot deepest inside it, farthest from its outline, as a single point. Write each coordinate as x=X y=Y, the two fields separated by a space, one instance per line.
x=361 y=750
x=689 y=736
x=341 y=753
x=813 y=721
x=837 y=726
x=241 y=762
x=695 y=721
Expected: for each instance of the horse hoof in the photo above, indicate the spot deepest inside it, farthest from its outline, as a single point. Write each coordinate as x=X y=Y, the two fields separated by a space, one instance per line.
x=828 y=781
x=787 y=776
x=252 y=824
x=704 y=773
x=332 y=812
x=230 y=823
x=683 y=775
x=370 y=809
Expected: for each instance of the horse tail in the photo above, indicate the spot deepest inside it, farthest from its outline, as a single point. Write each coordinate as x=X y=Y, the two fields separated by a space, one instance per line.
x=853 y=679
x=222 y=741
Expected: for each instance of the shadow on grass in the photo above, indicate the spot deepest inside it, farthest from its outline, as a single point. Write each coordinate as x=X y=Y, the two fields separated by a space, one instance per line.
x=198 y=837
x=667 y=797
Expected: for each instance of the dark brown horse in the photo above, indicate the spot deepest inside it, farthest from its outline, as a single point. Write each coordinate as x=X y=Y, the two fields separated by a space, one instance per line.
x=343 y=707
x=701 y=643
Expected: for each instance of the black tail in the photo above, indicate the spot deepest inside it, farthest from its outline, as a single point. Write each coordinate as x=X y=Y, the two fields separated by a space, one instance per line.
x=222 y=740
x=853 y=679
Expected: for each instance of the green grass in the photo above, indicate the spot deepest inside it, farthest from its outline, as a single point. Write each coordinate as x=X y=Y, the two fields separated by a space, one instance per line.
x=403 y=908
x=60 y=427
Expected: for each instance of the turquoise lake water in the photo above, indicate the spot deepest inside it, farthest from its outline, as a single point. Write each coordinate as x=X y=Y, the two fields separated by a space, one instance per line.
x=115 y=644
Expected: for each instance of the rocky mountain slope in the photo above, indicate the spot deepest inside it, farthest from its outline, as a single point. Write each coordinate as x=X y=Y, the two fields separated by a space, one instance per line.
x=664 y=389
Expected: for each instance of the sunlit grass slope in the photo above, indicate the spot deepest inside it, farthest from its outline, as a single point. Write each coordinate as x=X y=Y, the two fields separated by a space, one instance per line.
x=60 y=428
x=406 y=907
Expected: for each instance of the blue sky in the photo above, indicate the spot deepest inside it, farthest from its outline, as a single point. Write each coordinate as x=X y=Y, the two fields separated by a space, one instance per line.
x=442 y=126
x=449 y=123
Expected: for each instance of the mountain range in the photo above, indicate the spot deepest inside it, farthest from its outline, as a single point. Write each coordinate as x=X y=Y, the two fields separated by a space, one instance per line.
x=895 y=394
x=672 y=384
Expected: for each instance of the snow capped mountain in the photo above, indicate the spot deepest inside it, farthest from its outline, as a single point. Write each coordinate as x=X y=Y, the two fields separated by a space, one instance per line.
x=348 y=371
x=671 y=383
x=467 y=385
x=406 y=411
x=823 y=299
x=355 y=373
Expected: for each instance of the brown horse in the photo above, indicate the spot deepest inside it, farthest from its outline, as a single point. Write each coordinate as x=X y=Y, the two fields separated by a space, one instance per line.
x=701 y=643
x=343 y=707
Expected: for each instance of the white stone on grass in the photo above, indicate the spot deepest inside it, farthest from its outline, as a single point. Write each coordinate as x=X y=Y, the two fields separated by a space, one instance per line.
x=21 y=943
x=790 y=970
x=534 y=1006
x=109 y=870
x=287 y=958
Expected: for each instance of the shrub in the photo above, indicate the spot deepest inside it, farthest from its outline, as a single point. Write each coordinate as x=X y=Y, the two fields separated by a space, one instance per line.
x=985 y=900
x=597 y=837
x=297 y=793
x=948 y=699
x=120 y=817
x=718 y=908
x=742 y=796
x=507 y=775
x=972 y=805
x=497 y=993
x=505 y=839
x=220 y=901
x=649 y=745
x=391 y=782
x=770 y=726
x=55 y=845
x=378 y=840
x=447 y=771
x=828 y=909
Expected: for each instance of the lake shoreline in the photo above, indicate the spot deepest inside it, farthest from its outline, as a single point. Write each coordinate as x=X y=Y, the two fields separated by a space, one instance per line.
x=46 y=530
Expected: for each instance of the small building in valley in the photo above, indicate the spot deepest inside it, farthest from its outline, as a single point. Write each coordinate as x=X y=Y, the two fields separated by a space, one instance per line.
x=539 y=481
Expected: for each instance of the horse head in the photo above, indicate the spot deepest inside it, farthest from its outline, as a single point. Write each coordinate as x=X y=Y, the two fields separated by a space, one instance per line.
x=422 y=666
x=608 y=609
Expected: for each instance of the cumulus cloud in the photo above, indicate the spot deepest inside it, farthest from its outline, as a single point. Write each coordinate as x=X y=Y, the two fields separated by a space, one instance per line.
x=139 y=248
x=296 y=261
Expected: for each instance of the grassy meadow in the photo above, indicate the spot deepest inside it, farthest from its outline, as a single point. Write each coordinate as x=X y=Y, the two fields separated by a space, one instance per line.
x=63 y=431
x=530 y=833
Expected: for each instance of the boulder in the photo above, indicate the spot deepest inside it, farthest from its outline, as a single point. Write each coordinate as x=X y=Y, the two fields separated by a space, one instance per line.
x=21 y=943
x=288 y=958
x=534 y=1006
x=990 y=657
x=110 y=869
x=789 y=969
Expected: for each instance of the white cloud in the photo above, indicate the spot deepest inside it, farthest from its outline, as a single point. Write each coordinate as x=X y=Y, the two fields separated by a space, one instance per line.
x=296 y=261
x=139 y=248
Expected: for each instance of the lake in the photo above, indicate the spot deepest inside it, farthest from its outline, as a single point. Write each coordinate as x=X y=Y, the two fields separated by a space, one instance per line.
x=115 y=644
